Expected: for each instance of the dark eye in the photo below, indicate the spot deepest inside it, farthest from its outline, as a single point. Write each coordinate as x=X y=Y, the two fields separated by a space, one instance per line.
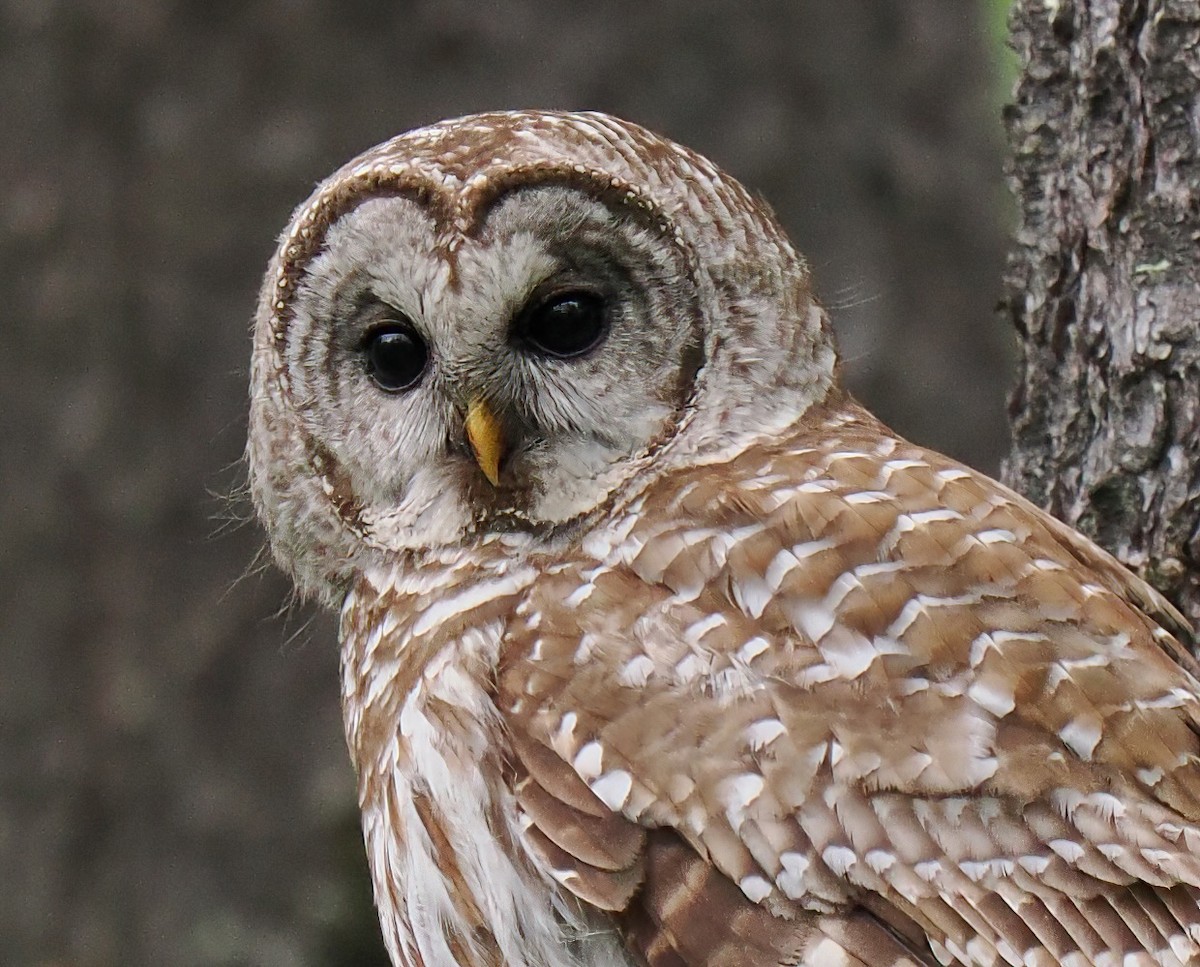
x=565 y=324
x=396 y=356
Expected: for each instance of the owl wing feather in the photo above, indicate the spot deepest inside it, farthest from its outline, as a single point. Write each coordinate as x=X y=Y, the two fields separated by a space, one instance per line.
x=849 y=702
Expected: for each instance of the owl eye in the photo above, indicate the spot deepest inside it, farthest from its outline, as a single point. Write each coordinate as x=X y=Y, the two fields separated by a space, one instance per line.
x=396 y=356
x=565 y=324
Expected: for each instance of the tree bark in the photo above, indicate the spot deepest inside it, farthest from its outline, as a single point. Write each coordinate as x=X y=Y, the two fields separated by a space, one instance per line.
x=1104 y=280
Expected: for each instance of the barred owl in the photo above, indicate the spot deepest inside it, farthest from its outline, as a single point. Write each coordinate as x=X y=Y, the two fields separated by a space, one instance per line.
x=656 y=647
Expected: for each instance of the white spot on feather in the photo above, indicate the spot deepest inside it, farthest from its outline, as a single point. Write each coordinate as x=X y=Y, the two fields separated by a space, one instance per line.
x=1150 y=777
x=1068 y=849
x=917 y=605
x=694 y=632
x=791 y=880
x=587 y=646
x=613 y=788
x=869 y=497
x=475 y=595
x=839 y=859
x=588 y=761
x=848 y=652
x=934 y=516
x=928 y=870
x=752 y=649
x=689 y=668
x=566 y=730
x=579 y=595
x=872 y=568
x=762 y=733
x=993 y=695
x=827 y=952
x=1107 y=805
x=910 y=522
x=737 y=793
x=811 y=618
x=732 y=684
x=1081 y=736
x=891 y=466
x=755 y=887
x=779 y=568
x=752 y=595
x=1035 y=865
x=840 y=588
x=1175 y=698
x=822 y=486
x=635 y=672
x=976 y=870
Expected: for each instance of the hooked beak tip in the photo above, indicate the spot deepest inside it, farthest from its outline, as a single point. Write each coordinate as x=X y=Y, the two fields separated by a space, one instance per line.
x=486 y=438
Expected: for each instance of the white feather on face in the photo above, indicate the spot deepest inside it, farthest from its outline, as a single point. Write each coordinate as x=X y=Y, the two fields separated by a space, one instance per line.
x=569 y=424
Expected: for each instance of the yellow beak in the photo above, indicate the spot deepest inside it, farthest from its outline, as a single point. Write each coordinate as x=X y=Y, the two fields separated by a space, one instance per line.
x=486 y=437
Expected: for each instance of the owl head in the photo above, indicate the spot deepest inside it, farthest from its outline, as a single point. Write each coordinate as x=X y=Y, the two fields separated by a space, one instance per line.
x=504 y=323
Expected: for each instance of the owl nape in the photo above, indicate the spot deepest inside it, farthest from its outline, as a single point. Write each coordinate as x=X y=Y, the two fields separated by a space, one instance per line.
x=657 y=648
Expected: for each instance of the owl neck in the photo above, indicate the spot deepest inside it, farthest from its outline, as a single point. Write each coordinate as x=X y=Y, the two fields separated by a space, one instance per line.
x=452 y=887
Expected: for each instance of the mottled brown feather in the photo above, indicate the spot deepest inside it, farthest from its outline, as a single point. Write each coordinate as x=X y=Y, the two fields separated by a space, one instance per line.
x=969 y=611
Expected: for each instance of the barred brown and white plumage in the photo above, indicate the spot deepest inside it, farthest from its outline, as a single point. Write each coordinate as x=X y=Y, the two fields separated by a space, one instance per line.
x=656 y=647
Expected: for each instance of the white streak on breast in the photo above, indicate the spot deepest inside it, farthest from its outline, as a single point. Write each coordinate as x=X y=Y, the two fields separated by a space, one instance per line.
x=471 y=597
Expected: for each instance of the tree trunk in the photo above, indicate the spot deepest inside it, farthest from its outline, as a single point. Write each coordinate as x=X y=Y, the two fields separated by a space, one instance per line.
x=1104 y=282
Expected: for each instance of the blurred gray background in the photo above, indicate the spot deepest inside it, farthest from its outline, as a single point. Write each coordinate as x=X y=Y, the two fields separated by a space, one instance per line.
x=173 y=787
